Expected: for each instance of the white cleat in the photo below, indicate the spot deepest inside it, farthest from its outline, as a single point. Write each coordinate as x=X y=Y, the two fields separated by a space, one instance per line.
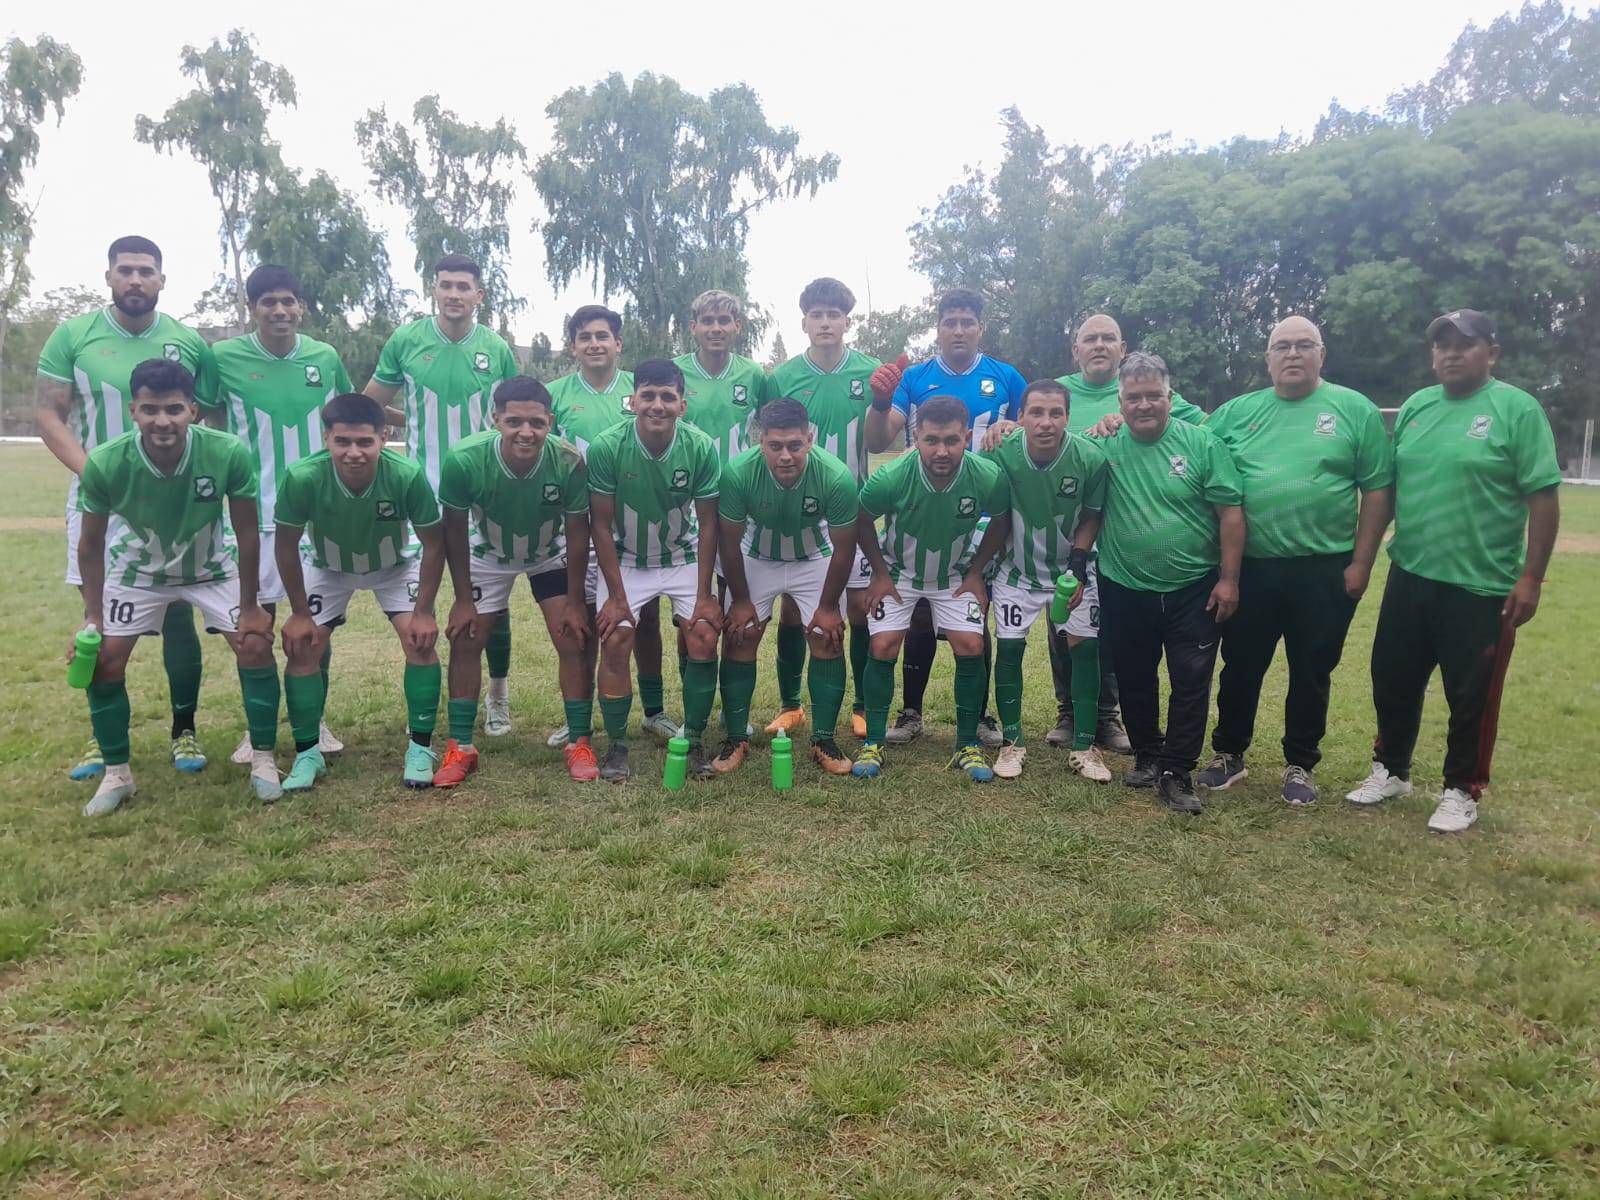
x=1378 y=787
x=326 y=742
x=264 y=779
x=241 y=752
x=497 y=717
x=559 y=738
x=1090 y=765
x=1008 y=764
x=1457 y=812
x=116 y=786
x=663 y=726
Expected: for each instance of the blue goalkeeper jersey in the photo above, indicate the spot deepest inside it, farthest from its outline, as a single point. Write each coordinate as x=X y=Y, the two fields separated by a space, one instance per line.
x=989 y=388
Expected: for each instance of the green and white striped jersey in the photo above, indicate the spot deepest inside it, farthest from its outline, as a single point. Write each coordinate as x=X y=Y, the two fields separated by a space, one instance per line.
x=582 y=414
x=655 y=523
x=176 y=529
x=273 y=404
x=720 y=405
x=517 y=520
x=927 y=531
x=788 y=524
x=837 y=401
x=357 y=534
x=1045 y=503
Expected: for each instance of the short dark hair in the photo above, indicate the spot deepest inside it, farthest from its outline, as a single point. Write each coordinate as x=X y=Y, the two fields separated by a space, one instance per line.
x=656 y=372
x=520 y=387
x=942 y=410
x=1053 y=387
x=593 y=312
x=829 y=293
x=269 y=277
x=353 y=408
x=784 y=413
x=160 y=375
x=961 y=298
x=133 y=244
x=458 y=262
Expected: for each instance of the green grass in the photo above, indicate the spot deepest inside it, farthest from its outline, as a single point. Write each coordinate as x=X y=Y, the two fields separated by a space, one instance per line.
x=914 y=988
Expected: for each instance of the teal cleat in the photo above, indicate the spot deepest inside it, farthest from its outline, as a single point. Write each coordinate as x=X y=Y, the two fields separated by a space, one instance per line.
x=90 y=765
x=187 y=755
x=420 y=765
x=309 y=766
x=869 y=761
x=970 y=760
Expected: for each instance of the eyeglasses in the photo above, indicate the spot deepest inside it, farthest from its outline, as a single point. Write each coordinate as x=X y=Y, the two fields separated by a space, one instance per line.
x=1304 y=347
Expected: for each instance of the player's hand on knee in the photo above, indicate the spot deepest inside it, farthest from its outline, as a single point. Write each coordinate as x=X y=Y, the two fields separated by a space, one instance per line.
x=462 y=621
x=880 y=589
x=572 y=624
x=422 y=632
x=972 y=585
x=741 y=621
x=708 y=610
x=827 y=626
x=614 y=614
x=299 y=634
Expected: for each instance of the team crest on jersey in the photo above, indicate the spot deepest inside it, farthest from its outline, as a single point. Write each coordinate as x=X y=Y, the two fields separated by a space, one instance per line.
x=387 y=510
x=552 y=493
x=1480 y=427
x=171 y=353
x=856 y=389
x=313 y=375
x=205 y=487
x=480 y=361
x=967 y=506
x=680 y=480
x=740 y=396
x=1180 y=465
x=986 y=387
x=974 y=612
x=1327 y=424
x=810 y=506
x=1069 y=486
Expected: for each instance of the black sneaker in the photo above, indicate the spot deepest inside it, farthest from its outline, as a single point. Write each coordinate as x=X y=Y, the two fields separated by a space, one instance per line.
x=1297 y=786
x=1110 y=736
x=614 y=766
x=1177 y=793
x=699 y=765
x=1224 y=770
x=1143 y=775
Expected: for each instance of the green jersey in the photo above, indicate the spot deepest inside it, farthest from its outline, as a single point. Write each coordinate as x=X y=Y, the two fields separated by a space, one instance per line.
x=1160 y=532
x=176 y=529
x=95 y=355
x=1091 y=402
x=517 y=520
x=448 y=386
x=1302 y=463
x=1045 y=504
x=720 y=406
x=357 y=534
x=788 y=524
x=837 y=401
x=1463 y=470
x=274 y=404
x=927 y=530
x=655 y=524
x=582 y=414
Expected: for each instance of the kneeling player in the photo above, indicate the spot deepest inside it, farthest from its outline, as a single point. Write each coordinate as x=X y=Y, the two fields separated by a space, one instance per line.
x=931 y=501
x=167 y=479
x=357 y=503
x=516 y=503
x=788 y=529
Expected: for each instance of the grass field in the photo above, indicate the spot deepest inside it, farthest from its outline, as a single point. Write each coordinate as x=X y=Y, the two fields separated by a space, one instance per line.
x=910 y=988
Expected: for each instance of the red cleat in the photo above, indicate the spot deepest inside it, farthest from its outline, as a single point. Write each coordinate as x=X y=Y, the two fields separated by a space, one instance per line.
x=457 y=765
x=580 y=761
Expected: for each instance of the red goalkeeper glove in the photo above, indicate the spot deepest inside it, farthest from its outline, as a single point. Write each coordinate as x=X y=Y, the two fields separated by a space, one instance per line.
x=885 y=379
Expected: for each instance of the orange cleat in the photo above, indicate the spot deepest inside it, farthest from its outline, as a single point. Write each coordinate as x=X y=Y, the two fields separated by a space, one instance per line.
x=580 y=761
x=858 y=724
x=787 y=721
x=827 y=755
x=457 y=765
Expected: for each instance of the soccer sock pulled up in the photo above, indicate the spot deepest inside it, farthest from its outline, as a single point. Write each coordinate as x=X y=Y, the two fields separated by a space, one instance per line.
x=180 y=654
x=879 y=681
x=497 y=652
x=1085 y=691
x=614 y=713
x=826 y=679
x=699 y=694
x=652 y=697
x=580 y=718
x=971 y=686
x=304 y=696
x=1008 y=685
x=259 y=686
x=422 y=686
x=791 y=662
x=920 y=647
x=860 y=650
x=462 y=716
x=108 y=716
x=738 y=686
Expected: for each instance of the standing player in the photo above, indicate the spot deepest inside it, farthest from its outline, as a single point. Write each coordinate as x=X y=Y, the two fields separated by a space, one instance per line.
x=357 y=504
x=449 y=365
x=82 y=398
x=788 y=511
x=722 y=388
x=268 y=387
x=653 y=511
x=167 y=480
x=516 y=503
x=931 y=501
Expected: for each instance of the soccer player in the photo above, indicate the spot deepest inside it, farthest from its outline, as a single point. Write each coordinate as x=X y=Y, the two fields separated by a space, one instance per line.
x=1057 y=482
x=653 y=512
x=1318 y=476
x=722 y=388
x=83 y=400
x=991 y=390
x=516 y=503
x=357 y=504
x=166 y=480
x=268 y=387
x=1476 y=514
x=448 y=365
x=584 y=405
x=930 y=502
x=833 y=382
x=788 y=511
x=1170 y=542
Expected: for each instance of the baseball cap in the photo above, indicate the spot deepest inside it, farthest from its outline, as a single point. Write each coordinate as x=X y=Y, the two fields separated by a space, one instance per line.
x=1468 y=321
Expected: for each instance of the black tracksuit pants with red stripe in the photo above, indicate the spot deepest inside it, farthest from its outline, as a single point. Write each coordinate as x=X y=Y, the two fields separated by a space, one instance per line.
x=1423 y=624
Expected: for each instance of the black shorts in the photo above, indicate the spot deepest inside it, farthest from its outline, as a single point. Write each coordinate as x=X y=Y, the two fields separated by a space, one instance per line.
x=547 y=585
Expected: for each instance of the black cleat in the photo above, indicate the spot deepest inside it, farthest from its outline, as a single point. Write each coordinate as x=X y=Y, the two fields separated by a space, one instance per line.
x=1177 y=793
x=614 y=766
x=1143 y=775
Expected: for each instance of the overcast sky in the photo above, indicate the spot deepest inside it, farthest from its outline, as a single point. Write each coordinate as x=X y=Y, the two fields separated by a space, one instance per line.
x=906 y=94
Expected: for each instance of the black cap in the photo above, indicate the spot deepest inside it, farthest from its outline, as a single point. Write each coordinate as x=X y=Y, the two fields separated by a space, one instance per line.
x=1468 y=321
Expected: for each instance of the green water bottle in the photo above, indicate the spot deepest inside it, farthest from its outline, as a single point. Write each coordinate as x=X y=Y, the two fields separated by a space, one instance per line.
x=677 y=766
x=86 y=648
x=1061 y=603
x=782 y=762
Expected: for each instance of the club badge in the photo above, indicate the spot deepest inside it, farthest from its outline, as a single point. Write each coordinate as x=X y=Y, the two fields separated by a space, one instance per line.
x=1480 y=427
x=967 y=506
x=313 y=375
x=680 y=480
x=171 y=353
x=1327 y=424
x=480 y=361
x=740 y=396
x=974 y=612
x=1180 y=465
x=205 y=487
x=1069 y=486
x=810 y=506
x=552 y=493
x=387 y=510
x=856 y=389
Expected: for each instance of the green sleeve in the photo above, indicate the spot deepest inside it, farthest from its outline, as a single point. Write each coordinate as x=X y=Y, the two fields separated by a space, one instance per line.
x=508 y=362
x=421 y=508
x=388 y=372
x=877 y=494
x=92 y=488
x=1094 y=485
x=454 y=490
x=844 y=505
x=1374 y=453
x=289 y=508
x=1189 y=414
x=1223 y=485
x=731 y=503
x=55 y=360
x=708 y=472
x=602 y=468
x=768 y=388
x=208 y=383
x=576 y=497
x=1534 y=446
x=243 y=479
x=341 y=377
x=999 y=499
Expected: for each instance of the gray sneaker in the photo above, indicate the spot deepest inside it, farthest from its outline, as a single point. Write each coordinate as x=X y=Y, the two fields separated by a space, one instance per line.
x=1297 y=786
x=614 y=766
x=1223 y=771
x=907 y=728
x=1109 y=735
x=990 y=733
x=1065 y=731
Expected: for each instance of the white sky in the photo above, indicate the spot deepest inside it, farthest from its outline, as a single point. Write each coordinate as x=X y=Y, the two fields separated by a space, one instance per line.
x=906 y=94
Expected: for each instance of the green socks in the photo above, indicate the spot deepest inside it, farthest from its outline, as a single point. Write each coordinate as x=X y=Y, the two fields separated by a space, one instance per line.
x=738 y=686
x=580 y=718
x=1008 y=685
x=261 y=695
x=878 y=680
x=791 y=662
x=971 y=687
x=699 y=694
x=650 y=694
x=180 y=653
x=860 y=648
x=304 y=696
x=108 y=716
x=327 y=658
x=462 y=716
x=826 y=677
x=1085 y=692
x=422 y=697
x=614 y=713
x=498 y=649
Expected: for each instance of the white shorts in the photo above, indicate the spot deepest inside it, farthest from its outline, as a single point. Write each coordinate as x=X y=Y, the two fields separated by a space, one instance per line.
x=800 y=581
x=328 y=592
x=591 y=579
x=132 y=610
x=1016 y=609
x=860 y=574
x=493 y=583
x=951 y=614
x=269 y=588
x=645 y=585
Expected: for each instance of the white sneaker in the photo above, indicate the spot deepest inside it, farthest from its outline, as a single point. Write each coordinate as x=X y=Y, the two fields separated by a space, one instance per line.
x=241 y=752
x=1009 y=763
x=116 y=785
x=1090 y=765
x=1457 y=812
x=264 y=779
x=559 y=738
x=663 y=726
x=326 y=742
x=497 y=717
x=1378 y=787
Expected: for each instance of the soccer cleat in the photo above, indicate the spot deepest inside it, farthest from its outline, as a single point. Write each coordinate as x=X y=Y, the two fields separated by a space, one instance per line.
x=827 y=755
x=989 y=733
x=1143 y=775
x=869 y=761
x=787 y=721
x=459 y=762
x=614 y=767
x=732 y=755
x=663 y=726
x=1378 y=787
x=1064 y=732
x=1297 y=786
x=699 y=765
x=90 y=765
x=326 y=742
x=858 y=724
x=241 y=753
x=115 y=787
x=187 y=755
x=1457 y=812
x=1223 y=771
x=906 y=729
x=970 y=760
x=309 y=766
x=1177 y=793
x=1090 y=765
x=559 y=738
x=1110 y=735
x=420 y=765
x=264 y=779
x=497 y=717
x=1009 y=763
x=580 y=761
